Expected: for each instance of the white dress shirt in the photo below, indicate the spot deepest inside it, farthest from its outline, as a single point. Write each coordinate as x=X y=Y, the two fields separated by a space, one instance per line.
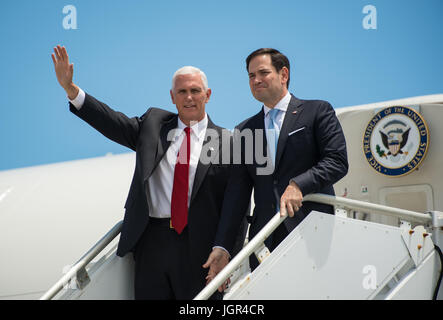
x=282 y=105
x=162 y=179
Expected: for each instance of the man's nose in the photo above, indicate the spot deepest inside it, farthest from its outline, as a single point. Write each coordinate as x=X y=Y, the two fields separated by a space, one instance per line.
x=257 y=80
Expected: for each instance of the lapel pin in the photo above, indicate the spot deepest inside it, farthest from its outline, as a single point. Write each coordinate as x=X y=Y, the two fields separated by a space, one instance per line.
x=294 y=112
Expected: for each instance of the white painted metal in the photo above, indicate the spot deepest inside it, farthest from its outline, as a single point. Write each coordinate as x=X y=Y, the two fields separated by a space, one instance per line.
x=252 y=245
x=419 y=100
x=363 y=183
x=79 y=269
x=262 y=253
x=330 y=257
x=329 y=253
x=437 y=228
x=258 y=240
x=50 y=215
x=419 y=244
x=419 y=283
x=342 y=202
x=257 y=245
x=112 y=278
x=423 y=188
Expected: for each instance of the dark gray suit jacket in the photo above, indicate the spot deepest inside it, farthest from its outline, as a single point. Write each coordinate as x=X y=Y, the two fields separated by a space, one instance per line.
x=147 y=135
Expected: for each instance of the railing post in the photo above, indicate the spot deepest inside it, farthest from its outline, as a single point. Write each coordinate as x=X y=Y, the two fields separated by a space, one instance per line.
x=437 y=228
x=79 y=269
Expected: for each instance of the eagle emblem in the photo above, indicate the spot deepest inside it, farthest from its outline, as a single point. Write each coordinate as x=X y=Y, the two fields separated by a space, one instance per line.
x=394 y=138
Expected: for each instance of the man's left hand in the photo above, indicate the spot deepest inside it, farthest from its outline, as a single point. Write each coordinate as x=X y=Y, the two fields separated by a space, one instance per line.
x=291 y=200
x=217 y=260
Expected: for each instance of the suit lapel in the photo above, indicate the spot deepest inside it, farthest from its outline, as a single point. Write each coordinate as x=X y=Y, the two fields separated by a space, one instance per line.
x=258 y=123
x=163 y=143
x=292 y=115
x=202 y=168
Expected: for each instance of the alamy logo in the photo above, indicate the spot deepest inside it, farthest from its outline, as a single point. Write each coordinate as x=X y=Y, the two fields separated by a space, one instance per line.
x=370 y=20
x=70 y=20
x=238 y=147
x=370 y=280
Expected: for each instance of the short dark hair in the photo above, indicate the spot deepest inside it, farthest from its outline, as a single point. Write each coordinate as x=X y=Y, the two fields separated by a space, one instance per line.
x=278 y=60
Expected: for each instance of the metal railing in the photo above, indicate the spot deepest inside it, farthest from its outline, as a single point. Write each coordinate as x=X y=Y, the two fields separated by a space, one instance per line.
x=258 y=241
x=340 y=202
x=79 y=268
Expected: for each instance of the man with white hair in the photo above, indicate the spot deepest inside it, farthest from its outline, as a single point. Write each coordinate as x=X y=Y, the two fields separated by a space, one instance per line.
x=175 y=199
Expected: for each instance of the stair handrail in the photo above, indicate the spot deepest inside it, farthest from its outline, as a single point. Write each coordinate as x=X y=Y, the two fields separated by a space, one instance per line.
x=374 y=208
x=258 y=240
x=84 y=261
x=251 y=247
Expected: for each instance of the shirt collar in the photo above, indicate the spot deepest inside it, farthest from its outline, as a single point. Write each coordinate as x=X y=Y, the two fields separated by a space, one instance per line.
x=197 y=128
x=282 y=105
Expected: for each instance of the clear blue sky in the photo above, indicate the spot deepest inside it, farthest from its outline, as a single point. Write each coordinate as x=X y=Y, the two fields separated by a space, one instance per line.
x=125 y=53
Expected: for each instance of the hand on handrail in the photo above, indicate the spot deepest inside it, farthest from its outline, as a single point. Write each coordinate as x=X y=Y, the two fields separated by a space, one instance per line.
x=291 y=200
x=217 y=260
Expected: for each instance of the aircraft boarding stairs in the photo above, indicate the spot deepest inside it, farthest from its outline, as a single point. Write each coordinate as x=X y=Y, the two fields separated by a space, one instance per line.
x=325 y=257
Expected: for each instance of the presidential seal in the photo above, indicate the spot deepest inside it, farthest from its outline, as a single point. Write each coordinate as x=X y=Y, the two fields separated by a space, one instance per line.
x=395 y=141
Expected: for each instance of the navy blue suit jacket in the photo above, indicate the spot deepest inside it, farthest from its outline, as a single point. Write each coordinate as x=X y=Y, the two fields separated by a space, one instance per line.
x=311 y=151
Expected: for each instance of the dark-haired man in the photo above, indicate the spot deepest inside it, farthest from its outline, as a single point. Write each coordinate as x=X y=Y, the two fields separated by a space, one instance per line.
x=301 y=138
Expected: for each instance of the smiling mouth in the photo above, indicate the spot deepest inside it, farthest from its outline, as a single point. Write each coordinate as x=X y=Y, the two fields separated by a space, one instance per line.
x=189 y=107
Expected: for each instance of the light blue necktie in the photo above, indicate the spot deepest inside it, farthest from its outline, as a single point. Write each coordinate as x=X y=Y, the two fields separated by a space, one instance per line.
x=273 y=133
x=272 y=138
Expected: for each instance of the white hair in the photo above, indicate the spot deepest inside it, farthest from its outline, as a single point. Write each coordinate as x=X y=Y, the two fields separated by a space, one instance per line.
x=190 y=70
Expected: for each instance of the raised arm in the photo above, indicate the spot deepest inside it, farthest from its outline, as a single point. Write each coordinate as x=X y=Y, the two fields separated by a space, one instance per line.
x=112 y=124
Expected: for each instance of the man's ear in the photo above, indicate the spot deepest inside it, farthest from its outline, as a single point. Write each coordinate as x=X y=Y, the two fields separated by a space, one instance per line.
x=172 y=96
x=208 y=94
x=284 y=72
